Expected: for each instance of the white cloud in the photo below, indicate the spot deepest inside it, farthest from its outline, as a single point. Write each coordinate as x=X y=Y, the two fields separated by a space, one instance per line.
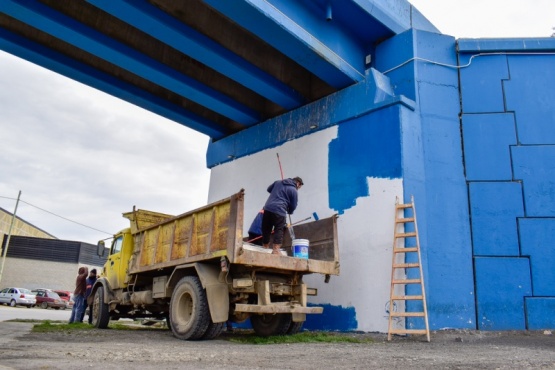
x=88 y=157
x=490 y=18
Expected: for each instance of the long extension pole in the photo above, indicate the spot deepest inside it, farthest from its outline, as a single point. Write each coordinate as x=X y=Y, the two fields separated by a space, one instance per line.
x=290 y=228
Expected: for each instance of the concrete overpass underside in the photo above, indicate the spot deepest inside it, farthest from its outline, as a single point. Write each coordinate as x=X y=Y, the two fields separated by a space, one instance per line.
x=217 y=67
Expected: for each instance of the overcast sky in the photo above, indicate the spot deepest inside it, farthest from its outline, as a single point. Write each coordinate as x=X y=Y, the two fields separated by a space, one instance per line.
x=490 y=18
x=88 y=157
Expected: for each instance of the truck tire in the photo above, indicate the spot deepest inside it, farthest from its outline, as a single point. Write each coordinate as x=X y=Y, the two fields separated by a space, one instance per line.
x=168 y=322
x=189 y=314
x=101 y=312
x=271 y=324
x=295 y=327
x=214 y=330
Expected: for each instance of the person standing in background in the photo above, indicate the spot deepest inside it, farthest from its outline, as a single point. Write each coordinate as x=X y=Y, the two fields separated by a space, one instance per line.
x=90 y=283
x=79 y=296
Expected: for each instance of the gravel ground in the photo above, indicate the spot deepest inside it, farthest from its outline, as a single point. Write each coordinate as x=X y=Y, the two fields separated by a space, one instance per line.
x=158 y=349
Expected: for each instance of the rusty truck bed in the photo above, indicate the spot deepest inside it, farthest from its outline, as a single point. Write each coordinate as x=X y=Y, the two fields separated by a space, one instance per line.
x=216 y=230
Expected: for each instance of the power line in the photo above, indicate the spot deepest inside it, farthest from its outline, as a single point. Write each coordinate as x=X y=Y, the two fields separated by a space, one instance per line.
x=62 y=217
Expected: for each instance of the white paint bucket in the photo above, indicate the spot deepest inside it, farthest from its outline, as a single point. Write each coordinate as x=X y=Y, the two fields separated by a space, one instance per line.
x=300 y=248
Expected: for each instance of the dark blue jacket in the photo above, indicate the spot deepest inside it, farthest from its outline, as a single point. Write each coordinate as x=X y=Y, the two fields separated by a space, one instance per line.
x=256 y=226
x=90 y=283
x=283 y=197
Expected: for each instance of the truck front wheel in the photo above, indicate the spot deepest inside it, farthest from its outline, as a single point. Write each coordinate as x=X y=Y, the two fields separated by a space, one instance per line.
x=271 y=324
x=189 y=314
x=101 y=313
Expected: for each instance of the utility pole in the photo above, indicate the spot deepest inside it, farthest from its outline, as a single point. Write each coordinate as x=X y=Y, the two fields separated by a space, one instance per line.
x=9 y=236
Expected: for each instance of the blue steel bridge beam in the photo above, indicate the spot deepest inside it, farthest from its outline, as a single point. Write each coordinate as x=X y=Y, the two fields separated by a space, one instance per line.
x=151 y=20
x=59 y=63
x=393 y=14
x=322 y=48
x=68 y=30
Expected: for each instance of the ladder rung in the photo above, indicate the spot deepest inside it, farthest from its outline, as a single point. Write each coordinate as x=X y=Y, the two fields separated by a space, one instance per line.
x=405 y=250
x=408 y=314
x=407 y=297
x=408 y=331
x=405 y=265
x=404 y=205
x=402 y=220
x=405 y=235
x=407 y=281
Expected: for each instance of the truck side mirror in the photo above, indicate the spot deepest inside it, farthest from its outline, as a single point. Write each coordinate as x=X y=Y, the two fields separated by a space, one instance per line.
x=100 y=248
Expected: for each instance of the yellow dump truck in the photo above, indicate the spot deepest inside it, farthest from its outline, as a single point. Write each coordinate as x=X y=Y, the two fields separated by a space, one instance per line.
x=196 y=271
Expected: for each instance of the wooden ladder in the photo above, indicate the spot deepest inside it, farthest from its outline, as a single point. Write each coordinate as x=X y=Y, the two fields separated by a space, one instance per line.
x=406 y=214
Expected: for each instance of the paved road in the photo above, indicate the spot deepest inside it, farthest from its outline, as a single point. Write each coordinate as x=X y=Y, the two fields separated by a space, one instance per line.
x=11 y=313
x=146 y=348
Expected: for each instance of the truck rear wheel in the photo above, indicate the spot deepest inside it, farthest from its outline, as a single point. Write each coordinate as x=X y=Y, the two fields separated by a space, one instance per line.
x=214 y=330
x=271 y=324
x=189 y=314
x=101 y=313
x=295 y=327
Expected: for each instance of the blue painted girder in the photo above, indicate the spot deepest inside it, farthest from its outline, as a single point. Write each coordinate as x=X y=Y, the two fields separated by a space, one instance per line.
x=59 y=63
x=319 y=46
x=149 y=19
x=95 y=43
x=372 y=94
x=393 y=14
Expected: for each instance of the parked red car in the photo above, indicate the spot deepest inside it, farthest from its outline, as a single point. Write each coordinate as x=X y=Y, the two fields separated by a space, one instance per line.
x=47 y=298
x=66 y=295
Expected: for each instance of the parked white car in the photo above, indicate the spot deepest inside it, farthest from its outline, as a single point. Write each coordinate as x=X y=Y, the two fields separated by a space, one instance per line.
x=17 y=296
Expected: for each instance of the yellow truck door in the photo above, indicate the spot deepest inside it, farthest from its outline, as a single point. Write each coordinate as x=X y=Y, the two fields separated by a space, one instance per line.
x=115 y=267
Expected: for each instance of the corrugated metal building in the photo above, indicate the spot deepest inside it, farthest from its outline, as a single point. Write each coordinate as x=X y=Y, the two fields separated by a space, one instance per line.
x=37 y=259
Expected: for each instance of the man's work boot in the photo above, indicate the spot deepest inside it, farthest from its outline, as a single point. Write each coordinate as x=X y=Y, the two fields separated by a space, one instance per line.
x=276 y=249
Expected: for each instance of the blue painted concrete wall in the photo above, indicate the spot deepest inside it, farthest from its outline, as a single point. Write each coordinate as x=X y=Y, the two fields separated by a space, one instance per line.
x=433 y=172
x=508 y=123
x=501 y=285
x=368 y=146
x=479 y=157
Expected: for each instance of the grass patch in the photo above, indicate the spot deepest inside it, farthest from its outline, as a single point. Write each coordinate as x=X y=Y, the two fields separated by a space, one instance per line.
x=25 y=320
x=240 y=337
x=304 y=337
x=135 y=325
x=48 y=326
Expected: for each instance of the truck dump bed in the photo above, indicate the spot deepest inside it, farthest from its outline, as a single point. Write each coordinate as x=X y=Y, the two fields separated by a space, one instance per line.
x=216 y=230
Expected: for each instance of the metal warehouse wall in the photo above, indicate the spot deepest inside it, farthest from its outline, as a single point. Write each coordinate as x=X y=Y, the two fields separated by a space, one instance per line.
x=508 y=122
x=46 y=263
